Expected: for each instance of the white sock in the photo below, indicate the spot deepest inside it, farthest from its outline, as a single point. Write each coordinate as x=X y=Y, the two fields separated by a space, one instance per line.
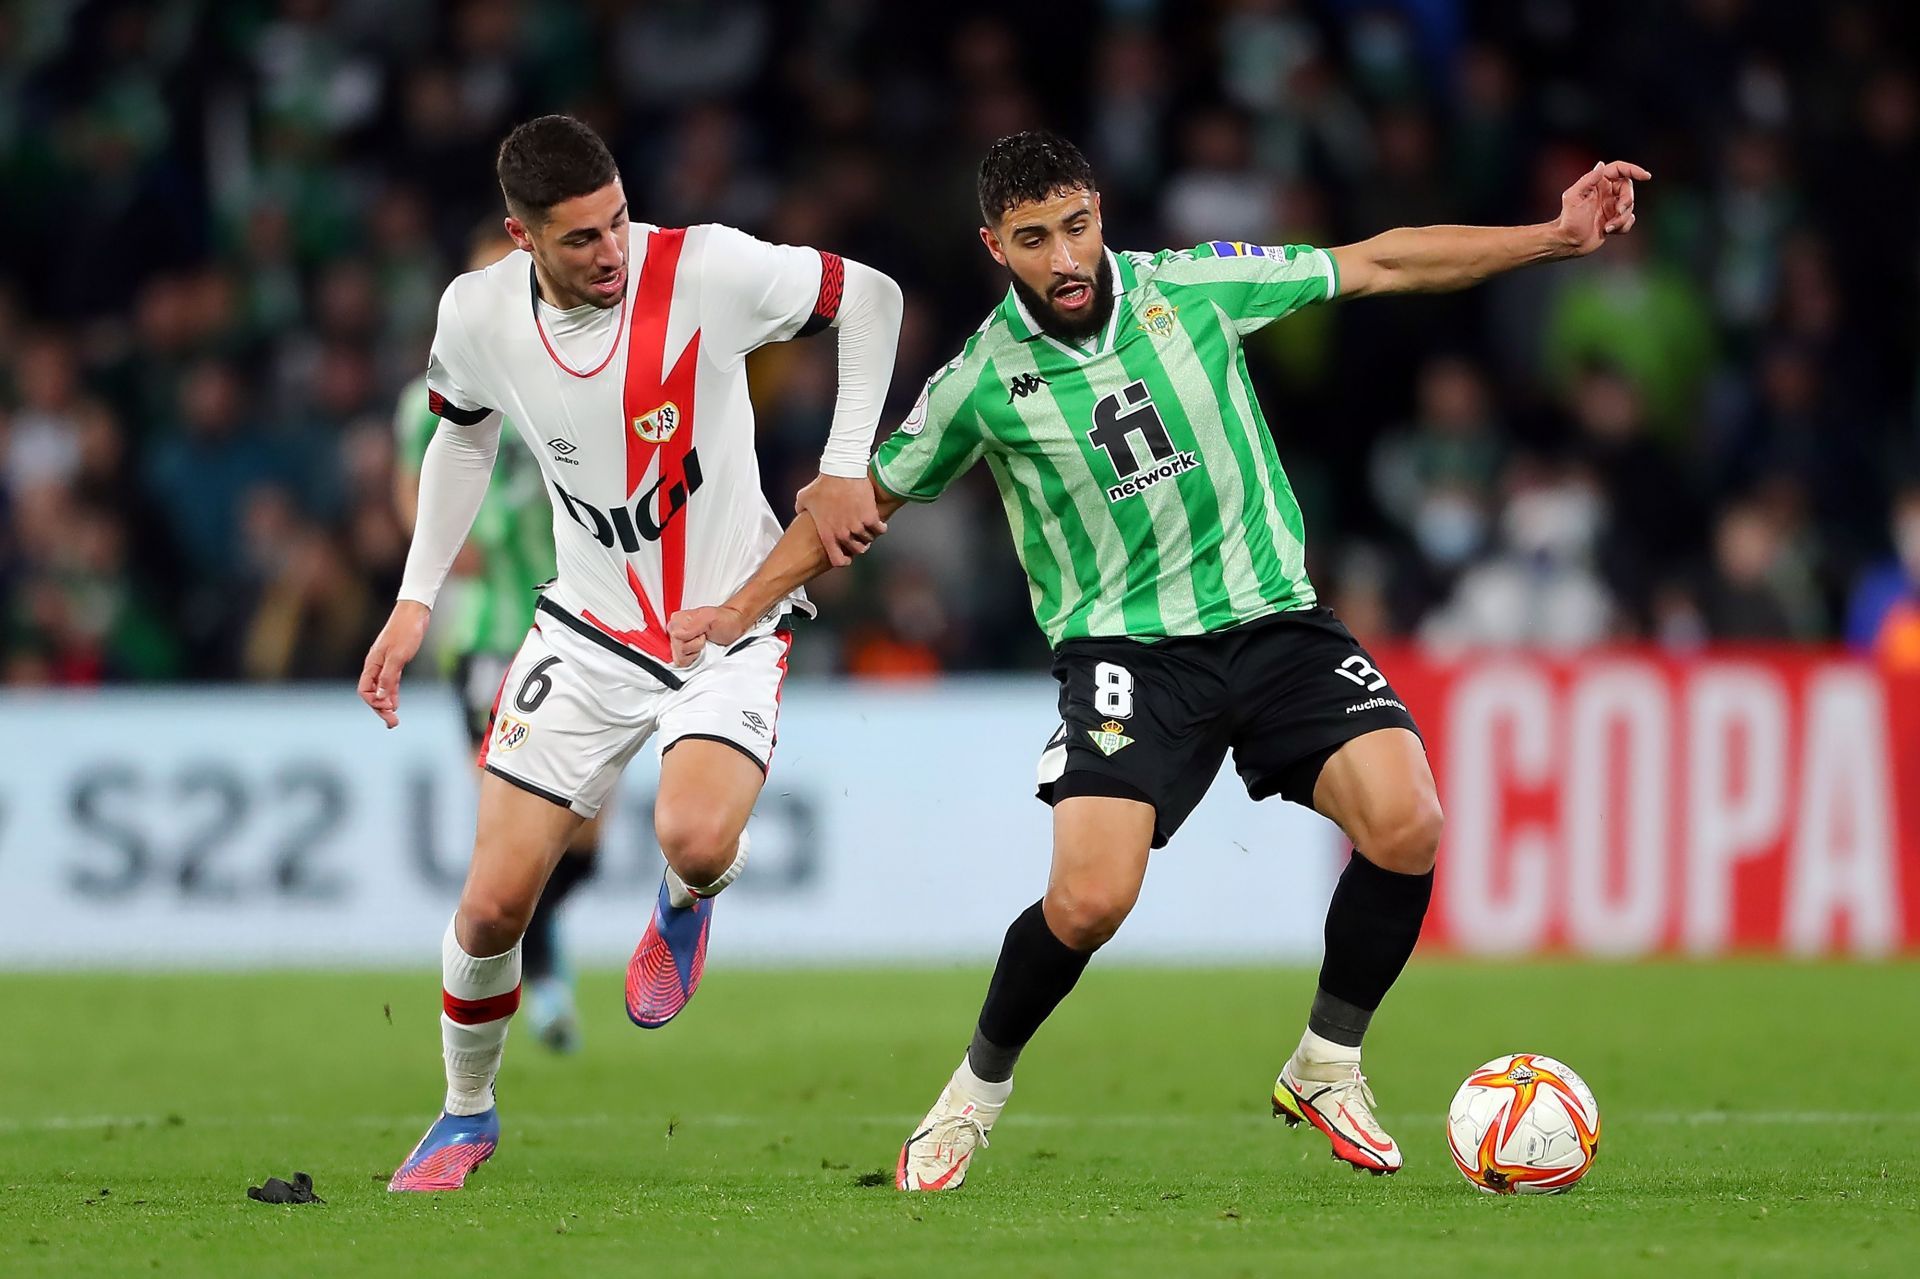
x=478 y=999
x=681 y=895
x=987 y=1096
x=1318 y=1050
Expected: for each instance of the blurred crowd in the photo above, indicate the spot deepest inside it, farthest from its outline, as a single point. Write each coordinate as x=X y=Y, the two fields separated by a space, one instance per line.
x=228 y=222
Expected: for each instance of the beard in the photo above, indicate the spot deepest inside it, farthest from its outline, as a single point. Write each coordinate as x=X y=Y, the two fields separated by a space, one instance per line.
x=1077 y=329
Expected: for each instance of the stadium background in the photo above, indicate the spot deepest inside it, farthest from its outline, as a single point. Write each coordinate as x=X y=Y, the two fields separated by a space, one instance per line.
x=1638 y=538
x=1640 y=534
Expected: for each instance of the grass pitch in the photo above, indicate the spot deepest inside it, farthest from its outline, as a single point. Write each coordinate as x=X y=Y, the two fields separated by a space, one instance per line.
x=1760 y=1118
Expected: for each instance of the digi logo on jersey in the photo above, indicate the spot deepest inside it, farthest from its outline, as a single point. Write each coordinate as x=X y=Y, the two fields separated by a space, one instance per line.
x=628 y=525
x=1116 y=419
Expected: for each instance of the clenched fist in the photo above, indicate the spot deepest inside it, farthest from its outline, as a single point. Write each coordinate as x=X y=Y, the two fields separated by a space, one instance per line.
x=693 y=629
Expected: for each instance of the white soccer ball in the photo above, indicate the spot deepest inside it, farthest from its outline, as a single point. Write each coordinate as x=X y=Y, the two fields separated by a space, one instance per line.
x=1523 y=1124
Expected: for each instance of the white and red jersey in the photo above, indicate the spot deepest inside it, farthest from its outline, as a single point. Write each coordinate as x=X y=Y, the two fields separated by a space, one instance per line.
x=638 y=413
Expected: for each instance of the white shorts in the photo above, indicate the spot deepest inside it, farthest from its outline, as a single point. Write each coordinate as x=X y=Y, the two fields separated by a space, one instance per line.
x=576 y=705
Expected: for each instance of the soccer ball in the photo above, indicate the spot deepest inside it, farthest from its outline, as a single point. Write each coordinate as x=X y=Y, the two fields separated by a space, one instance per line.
x=1523 y=1125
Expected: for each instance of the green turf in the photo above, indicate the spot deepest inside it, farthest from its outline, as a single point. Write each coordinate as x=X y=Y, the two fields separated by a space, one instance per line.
x=1759 y=1119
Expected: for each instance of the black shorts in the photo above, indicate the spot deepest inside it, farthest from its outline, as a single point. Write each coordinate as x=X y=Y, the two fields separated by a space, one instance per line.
x=1153 y=722
x=477 y=678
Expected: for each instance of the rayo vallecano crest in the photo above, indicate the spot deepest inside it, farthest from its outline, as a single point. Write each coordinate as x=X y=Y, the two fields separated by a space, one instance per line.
x=509 y=733
x=1157 y=320
x=1110 y=737
x=658 y=425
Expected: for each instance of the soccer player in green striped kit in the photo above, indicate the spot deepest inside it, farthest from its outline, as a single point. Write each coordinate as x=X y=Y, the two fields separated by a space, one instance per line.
x=1108 y=395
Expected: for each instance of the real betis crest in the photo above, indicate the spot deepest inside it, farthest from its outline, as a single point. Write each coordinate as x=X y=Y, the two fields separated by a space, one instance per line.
x=1157 y=320
x=1111 y=737
x=658 y=426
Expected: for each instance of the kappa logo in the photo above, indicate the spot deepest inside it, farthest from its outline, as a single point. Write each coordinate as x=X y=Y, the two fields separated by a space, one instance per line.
x=562 y=448
x=1111 y=737
x=755 y=721
x=1157 y=320
x=510 y=734
x=658 y=425
x=1024 y=385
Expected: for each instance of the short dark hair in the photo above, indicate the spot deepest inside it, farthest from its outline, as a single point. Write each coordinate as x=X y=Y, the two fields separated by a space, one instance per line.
x=1024 y=167
x=548 y=160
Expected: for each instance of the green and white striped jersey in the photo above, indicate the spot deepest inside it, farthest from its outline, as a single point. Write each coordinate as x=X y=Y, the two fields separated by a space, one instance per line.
x=1141 y=482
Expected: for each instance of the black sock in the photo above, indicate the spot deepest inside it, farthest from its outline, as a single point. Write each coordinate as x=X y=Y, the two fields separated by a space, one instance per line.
x=1035 y=972
x=540 y=950
x=1372 y=923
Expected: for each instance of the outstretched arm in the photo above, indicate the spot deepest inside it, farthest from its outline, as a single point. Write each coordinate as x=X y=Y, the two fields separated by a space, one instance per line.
x=796 y=559
x=1439 y=259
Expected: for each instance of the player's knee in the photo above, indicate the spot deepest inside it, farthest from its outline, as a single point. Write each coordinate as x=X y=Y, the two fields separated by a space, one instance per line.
x=1410 y=840
x=699 y=846
x=1086 y=916
x=490 y=923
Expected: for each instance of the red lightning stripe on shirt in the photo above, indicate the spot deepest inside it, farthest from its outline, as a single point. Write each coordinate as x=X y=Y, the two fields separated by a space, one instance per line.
x=646 y=393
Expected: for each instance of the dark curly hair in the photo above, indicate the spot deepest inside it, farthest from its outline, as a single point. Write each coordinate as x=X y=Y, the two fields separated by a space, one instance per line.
x=1024 y=167
x=548 y=160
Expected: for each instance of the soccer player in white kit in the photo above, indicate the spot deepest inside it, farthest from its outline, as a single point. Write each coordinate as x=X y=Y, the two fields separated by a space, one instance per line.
x=618 y=353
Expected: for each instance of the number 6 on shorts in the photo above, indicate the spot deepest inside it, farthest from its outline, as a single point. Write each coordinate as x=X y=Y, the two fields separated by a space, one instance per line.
x=536 y=686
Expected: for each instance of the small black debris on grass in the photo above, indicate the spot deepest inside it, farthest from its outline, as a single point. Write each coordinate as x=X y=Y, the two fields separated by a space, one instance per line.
x=278 y=1191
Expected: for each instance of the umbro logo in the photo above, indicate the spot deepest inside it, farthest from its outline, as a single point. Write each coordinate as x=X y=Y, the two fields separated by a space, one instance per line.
x=1024 y=385
x=755 y=721
x=561 y=448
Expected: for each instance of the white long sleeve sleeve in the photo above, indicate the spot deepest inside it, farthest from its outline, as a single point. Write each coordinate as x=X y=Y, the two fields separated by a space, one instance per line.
x=869 y=329
x=453 y=481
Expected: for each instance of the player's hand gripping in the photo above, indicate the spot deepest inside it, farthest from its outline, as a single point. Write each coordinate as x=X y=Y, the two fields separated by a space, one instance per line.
x=693 y=629
x=1600 y=204
x=845 y=513
x=399 y=640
